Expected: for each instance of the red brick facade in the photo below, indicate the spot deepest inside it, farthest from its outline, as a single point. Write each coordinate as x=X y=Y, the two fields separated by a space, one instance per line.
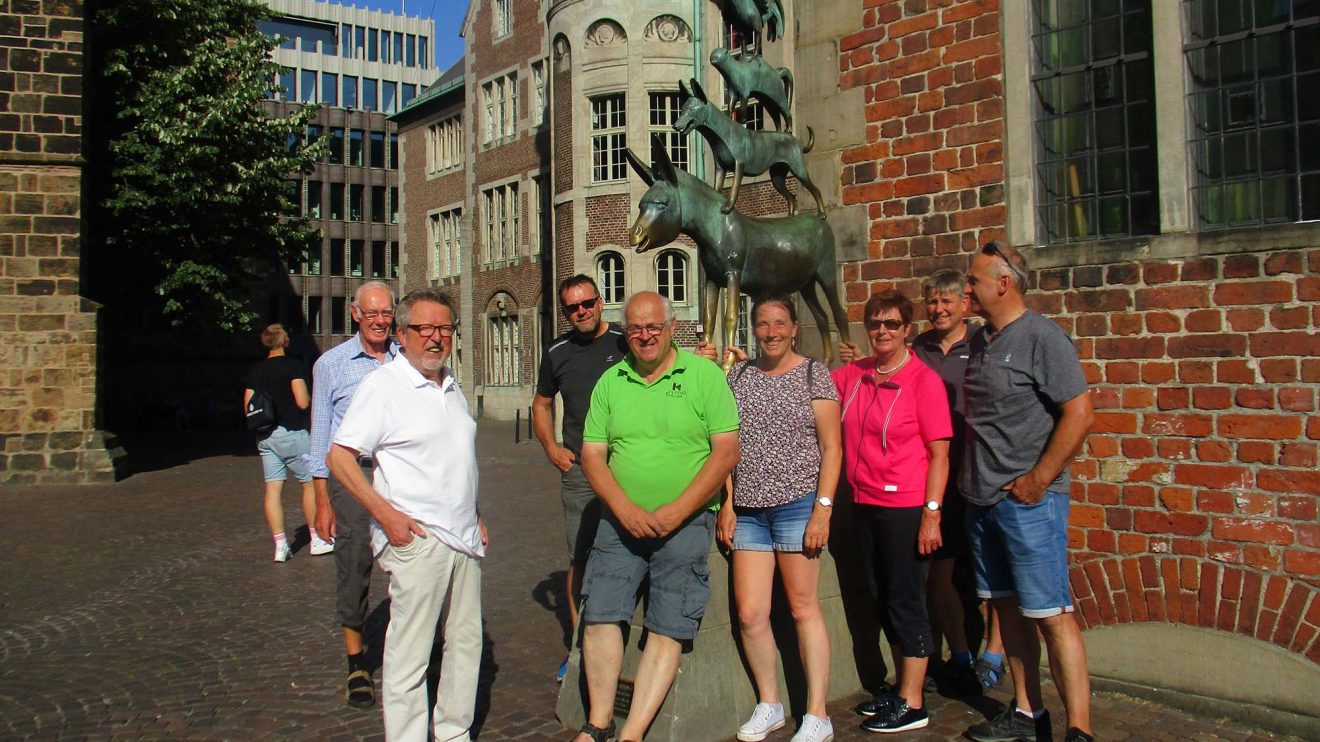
x=1195 y=501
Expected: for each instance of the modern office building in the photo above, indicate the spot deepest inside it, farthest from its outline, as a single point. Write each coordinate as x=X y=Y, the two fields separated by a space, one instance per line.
x=361 y=65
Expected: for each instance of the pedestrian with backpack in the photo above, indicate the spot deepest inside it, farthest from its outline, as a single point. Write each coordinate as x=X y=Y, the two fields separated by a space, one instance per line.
x=275 y=403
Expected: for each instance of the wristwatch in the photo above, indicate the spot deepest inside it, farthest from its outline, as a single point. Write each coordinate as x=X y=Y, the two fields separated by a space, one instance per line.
x=932 y=506
x=825 y=502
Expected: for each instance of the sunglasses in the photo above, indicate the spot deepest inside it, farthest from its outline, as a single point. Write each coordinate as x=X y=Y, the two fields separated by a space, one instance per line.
x=584 y=304
x=889 y=324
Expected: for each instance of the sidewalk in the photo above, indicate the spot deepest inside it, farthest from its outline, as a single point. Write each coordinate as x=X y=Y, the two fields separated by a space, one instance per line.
x=150 y=609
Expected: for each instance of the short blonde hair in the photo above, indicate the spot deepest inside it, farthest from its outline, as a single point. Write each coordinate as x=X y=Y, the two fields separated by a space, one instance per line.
x=274 y=336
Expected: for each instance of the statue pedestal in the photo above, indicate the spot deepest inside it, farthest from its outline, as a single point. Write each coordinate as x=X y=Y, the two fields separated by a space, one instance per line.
x=712 y=694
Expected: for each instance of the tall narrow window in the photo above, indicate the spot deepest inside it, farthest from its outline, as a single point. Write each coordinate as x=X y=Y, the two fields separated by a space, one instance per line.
x=314 y=325
x=355 y=137
x=407 y=92
x=394 y=151
x=394 y=205
x=539 y=234
x=346 y=40
x=330 y=88
x=338 y=250
x=609 y=138
x=355 y=249
x=313 y=206
x=314 y=261
x=488 y=101
x=359 y=42
x=378 y=203
x=398 y=47
x=336 y=145
x=337 y=203
x=423 y=53
x=389 y=91
x=355 y=203
x=377 y=157
x=445 y=244
x=369 y=99
x=664 y=112
x=286 y=82
x=409 y=54
x=503 y=17
x=373 y=45
x=1095 y=120
x=378 y=264
x=609 y=276
x=671 y=276
x=1254 y=105
x=307 y=86
x=350 y=91
x=394 y=260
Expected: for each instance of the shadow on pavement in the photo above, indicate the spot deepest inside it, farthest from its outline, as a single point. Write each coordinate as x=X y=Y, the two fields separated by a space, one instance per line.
x=552 y=595
x=165 y=449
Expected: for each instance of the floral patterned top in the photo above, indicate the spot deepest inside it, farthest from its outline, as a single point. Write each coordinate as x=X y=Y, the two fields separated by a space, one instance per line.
x=777 y=432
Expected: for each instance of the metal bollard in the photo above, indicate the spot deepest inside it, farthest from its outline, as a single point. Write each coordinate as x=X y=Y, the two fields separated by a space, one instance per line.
x=529 y=424
x=517 y=426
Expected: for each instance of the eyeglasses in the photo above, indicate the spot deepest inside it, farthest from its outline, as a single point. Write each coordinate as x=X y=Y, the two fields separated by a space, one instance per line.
x=426 y=331
x=373 y=315
x=889 y=324
x=584 y=304
x=635 y=331
x=1015 y=269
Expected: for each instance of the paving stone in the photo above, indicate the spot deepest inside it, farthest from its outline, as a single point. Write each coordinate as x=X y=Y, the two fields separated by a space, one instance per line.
x=149 y=609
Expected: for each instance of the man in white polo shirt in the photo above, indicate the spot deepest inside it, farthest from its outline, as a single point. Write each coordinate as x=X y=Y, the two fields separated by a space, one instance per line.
x=410 y=416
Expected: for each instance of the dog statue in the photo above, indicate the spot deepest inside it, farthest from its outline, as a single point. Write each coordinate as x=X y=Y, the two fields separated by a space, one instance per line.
x=751 y=77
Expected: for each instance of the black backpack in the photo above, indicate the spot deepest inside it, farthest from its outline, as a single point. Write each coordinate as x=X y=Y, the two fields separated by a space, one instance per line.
x=260 y=412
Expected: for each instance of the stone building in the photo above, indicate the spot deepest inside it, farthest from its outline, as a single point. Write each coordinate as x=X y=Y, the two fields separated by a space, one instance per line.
x=1156 y=162
x=48 y=364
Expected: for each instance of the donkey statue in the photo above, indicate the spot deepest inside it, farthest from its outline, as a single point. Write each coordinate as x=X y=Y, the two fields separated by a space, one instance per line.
x=758 y=257
x=755 y=15
x=745 y=152
x=751 y=77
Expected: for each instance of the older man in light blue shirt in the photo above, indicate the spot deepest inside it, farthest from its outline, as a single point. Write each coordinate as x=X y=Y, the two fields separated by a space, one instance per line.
x=339 y=517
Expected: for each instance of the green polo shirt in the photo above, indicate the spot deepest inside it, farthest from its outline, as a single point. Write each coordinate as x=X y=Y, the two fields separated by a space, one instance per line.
x=659 y=433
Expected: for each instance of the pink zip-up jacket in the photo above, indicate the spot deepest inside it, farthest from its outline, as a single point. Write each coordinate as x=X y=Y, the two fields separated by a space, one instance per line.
x=886 y=428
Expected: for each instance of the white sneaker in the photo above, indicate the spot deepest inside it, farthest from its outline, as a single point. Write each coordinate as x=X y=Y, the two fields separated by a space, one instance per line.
x=320 y=546
x=766 y=718
x=814 y=729
x=282 y=553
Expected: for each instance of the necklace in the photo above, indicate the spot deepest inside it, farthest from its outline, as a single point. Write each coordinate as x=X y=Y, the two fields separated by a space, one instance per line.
x=896 y=366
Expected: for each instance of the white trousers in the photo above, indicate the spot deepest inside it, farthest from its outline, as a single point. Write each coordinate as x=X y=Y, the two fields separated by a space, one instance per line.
x=432 y=589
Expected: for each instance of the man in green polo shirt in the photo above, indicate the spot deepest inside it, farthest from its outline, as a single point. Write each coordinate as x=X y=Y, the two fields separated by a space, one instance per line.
x=660 y=439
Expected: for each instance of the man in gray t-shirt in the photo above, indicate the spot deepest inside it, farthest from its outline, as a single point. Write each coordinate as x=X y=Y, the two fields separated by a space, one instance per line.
x=1028 y=413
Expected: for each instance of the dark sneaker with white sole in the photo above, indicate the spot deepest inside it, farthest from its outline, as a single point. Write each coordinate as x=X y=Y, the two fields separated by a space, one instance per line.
x=1076 y=735
x=900 y=718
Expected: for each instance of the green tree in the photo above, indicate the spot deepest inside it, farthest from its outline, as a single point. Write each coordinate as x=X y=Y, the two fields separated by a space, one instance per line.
x=192 y=175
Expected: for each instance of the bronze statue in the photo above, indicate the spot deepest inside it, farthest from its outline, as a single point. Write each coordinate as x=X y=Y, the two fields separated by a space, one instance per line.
x=755 y=15
x=753 y=256
x=750 y=76
x=745 y=152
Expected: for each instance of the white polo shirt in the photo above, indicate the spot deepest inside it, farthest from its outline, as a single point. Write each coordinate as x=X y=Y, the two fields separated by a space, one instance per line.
x=424 y=442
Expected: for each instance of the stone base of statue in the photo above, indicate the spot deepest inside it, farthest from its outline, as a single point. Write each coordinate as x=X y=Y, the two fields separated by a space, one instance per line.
x=712 y=694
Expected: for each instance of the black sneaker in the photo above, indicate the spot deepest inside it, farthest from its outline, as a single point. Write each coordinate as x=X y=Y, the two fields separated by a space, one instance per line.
x=901 y=718
x=1010 y=726
x=1076 y=735
x=882 y=702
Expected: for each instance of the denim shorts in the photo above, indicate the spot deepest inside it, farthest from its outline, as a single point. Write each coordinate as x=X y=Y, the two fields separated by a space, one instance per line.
x=1022 y=550
x=676 y=566
x=776 y=528
x=282 y=452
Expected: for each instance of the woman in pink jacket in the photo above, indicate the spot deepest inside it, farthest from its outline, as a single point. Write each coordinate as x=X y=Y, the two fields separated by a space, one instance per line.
x=896 y=432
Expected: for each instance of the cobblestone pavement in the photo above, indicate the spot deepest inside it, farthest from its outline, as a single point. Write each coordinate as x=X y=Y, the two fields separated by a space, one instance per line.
x=149 y=609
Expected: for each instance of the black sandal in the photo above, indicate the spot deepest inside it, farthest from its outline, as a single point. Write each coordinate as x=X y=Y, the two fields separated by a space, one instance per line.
x=359 y=691
x=597 y=734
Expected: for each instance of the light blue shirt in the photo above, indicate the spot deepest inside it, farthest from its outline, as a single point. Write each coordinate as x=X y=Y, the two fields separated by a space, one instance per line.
x=335 y=378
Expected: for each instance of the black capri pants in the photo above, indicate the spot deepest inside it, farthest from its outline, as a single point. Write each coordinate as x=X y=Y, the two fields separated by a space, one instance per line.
x=896 y=574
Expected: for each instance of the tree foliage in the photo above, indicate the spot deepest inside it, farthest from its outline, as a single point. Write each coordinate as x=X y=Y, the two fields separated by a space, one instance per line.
x=195 y=172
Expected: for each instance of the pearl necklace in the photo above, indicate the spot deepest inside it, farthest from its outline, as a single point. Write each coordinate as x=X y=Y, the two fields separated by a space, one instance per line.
x=907 y=355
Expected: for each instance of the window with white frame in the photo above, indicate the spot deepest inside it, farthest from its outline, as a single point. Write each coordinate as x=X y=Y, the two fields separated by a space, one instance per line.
x=664 y=112
x=500 y=215
x=503 y=343
x=503 y=18
x=1254 y=110
x=500 y=99
x=539 y=237
x=539 y=100
x=743 y=337
x=444 y=145
x=609 y=138
x=1094 y=119
x=671 y=276
x=609 y=277
x=445 y=244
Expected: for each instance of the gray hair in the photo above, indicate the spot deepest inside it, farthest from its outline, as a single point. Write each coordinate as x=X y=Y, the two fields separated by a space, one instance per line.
x=1013 y=265
x=357 y=295
x=945 y=281
x=405 y=306
x=668 y=305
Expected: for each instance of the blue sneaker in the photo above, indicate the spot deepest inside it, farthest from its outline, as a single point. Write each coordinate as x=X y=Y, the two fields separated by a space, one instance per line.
x=562 y=671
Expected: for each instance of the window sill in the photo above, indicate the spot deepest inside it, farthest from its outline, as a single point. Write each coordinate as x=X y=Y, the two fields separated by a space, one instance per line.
x=1174 y=245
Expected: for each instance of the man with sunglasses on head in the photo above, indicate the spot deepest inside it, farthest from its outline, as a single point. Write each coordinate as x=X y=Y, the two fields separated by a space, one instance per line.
x=339 y=518
x=1028 y=412
x=570 y=367
x=412 y=419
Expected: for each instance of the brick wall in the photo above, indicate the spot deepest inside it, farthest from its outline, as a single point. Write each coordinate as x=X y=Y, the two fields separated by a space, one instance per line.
x=1195 y=501
x=931 y=172
x=608 y=219
x=563 y=256
x=47 y=330
x=561 y=102
x=423 y=193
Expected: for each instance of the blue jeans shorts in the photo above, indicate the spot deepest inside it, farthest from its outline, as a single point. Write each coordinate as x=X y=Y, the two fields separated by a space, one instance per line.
x=675 y=565
x=282 y=452
x=1023 y=550
x=776 y=528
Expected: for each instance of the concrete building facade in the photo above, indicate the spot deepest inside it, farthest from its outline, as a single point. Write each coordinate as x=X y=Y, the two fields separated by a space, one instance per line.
x=361 y=66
